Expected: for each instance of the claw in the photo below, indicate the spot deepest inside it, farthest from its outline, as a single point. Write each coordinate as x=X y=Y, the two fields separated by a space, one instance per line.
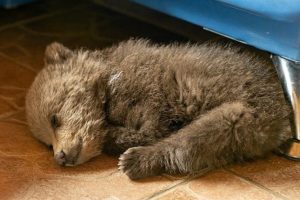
x=121 y=158
x=121 y=168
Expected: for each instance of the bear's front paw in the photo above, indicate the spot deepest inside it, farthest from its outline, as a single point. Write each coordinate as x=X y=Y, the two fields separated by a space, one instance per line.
x=139 y=162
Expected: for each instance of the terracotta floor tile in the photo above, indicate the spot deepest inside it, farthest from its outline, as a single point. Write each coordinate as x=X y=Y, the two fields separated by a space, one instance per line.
x=180 y=193
x=121 y=28
x=222 y=185
x=100 y=23
x=10 y=36
x=13 y=75
x=4 y=106
x=15 y=176
x=14 y=79
x=36 y=9
x=100 y=166
x=116 y=186
x=11 y=101
x=276 y=173
x=14 y=188
x=17 y=118
x=14 y=167
x=16 y=140
x=92 y=27
x=28 y=51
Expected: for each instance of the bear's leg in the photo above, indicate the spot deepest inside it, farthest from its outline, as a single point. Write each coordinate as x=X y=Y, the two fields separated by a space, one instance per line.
x=228 y=133
x=120 y=138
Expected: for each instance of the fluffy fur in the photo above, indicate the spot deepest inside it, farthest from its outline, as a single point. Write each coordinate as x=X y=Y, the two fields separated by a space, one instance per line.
x=174 y=108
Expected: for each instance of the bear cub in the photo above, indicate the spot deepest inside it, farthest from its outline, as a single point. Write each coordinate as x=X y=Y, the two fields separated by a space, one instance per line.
x=177 y=108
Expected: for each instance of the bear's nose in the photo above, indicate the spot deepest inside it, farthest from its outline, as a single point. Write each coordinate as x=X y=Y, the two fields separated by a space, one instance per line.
x=60 y=158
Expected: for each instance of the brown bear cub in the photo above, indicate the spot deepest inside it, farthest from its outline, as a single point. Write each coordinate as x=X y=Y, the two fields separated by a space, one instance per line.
x=166 y=108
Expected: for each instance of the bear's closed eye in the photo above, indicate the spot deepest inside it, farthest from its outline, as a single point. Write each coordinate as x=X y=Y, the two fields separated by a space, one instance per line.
x=54 y=121
x=50 y=147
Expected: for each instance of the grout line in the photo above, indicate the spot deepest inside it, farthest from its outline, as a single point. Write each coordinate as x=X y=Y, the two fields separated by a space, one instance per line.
x=194 y=193
x=22 y=49
x=20 y=156
x=200 y=173
x=28 y=20
x=166 y=190
x=15 y=121
x=7 y=115
x=12 y=43
x=11 y=87
x=10 y=102
x=185 y=188
x=175 y=185
x=20 y=23
x=62 y=35
x=248 y=180
x=17 y=62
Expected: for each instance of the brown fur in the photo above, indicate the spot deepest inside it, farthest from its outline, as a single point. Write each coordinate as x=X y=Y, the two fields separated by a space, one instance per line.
x=174 y=108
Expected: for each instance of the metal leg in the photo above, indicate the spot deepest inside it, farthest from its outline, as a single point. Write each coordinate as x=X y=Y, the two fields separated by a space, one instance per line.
x=289 y=74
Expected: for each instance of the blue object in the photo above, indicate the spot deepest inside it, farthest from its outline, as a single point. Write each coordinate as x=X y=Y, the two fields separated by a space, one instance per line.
x=13 y=3
x=271 y=25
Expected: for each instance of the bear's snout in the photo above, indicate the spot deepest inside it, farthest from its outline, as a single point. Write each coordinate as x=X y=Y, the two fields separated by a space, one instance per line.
x=60 y=158
x=65 y=159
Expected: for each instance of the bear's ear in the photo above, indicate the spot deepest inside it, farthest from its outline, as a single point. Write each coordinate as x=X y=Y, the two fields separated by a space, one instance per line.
x=56 y=52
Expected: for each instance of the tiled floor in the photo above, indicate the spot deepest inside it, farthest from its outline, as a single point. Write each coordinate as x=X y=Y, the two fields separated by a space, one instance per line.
x=27 y=169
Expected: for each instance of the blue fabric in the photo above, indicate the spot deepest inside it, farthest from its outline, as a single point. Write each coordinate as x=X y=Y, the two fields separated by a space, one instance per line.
x=271 y=25
x=13 y=3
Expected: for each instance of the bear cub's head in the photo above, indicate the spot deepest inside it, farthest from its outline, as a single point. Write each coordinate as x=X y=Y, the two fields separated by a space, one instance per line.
x=65 y=104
